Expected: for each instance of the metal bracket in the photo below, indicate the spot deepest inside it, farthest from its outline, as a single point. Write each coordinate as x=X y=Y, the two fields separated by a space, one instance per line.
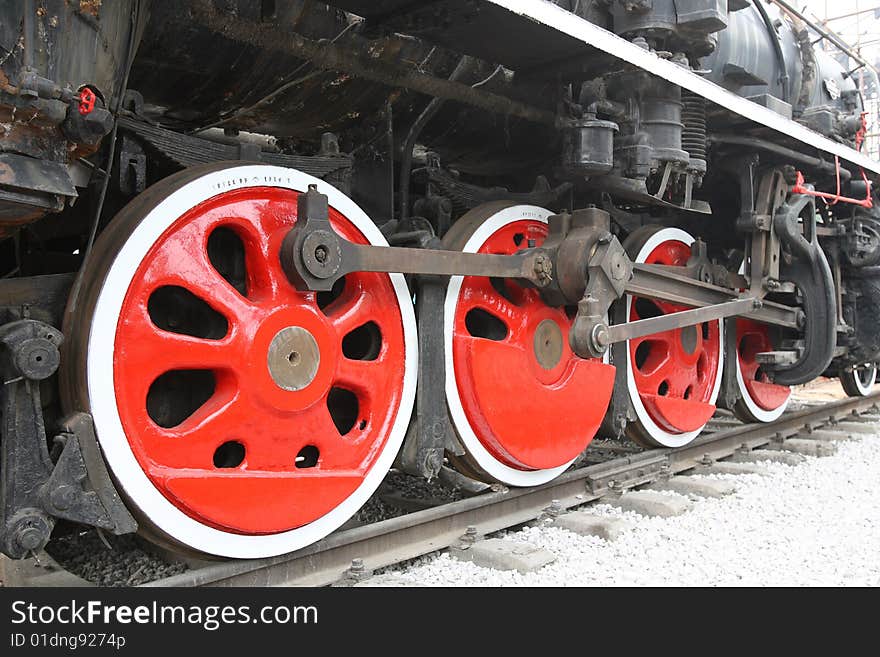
x=429 y=437
x=80 y=429
x=28 y=354
x=33 y=490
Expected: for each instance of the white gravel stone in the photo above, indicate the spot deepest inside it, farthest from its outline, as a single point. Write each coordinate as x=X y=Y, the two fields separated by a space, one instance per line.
x=817 y=524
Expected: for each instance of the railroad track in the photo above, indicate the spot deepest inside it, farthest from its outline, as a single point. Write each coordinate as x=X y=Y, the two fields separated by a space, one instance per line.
x=350 y=555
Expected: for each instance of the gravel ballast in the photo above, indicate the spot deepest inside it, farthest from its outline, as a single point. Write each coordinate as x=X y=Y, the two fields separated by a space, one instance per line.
x=814 y=524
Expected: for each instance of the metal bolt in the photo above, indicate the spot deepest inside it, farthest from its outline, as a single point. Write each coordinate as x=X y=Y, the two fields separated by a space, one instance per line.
x=544 y=269
x=321 y=254
x=601 y=337
x=757 y=304
x=357 y=567
x=29 y=538
x=63 y=497
x=707 y=460
x=614 y=489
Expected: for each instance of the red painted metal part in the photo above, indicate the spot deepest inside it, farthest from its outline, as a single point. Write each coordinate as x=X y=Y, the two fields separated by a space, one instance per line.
x=676 y=384
x=527 y=417
x=267 y=493
x=801 y=188
x=87 y=99
x=862 y=131
x=752 y=339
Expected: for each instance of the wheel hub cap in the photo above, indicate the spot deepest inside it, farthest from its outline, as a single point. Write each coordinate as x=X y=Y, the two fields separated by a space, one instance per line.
x=294 y=358
x=548 y=344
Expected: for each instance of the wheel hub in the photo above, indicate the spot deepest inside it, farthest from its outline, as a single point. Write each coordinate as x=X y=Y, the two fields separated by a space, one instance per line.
x=294 y=358
x=548 y=344
x=689 y=339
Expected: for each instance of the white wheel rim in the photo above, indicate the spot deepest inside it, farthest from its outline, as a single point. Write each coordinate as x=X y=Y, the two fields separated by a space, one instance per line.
x=864 y=387
x=135 y=484
x=660 y=435
x=488 y=463
x=760 y=414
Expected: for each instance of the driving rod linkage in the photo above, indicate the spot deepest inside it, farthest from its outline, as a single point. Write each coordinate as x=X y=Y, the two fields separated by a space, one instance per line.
x=580 y=263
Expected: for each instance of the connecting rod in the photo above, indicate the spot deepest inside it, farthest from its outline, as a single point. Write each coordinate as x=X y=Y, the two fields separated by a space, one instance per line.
x=581 y=263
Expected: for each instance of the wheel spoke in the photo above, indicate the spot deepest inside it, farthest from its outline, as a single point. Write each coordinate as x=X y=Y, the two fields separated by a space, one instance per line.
x=155 y=351
x=356 y=307
x=266 y=280
x=477 y=292
x=188 y=266
x=192 y=445
x=361 y=376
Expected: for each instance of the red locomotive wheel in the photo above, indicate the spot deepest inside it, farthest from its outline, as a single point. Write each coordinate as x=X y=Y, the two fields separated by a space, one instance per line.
x=674 y=377
x=760 y=400
x=240 y=417
x=523 y=404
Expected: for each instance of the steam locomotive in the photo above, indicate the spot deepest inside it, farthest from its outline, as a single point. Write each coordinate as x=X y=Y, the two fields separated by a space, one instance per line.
x=256 y=253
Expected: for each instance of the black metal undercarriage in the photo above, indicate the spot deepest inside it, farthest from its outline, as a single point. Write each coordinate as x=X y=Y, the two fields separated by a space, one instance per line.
x=412 y=112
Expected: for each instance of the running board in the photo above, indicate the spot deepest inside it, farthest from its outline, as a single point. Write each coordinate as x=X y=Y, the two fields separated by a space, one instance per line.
x=573 y=26
x=538 y=32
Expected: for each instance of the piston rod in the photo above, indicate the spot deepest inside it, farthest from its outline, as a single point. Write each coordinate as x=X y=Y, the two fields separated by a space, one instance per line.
x=605 y=336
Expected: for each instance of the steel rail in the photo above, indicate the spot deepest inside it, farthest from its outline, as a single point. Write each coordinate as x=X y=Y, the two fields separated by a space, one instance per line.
x=406 y=537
